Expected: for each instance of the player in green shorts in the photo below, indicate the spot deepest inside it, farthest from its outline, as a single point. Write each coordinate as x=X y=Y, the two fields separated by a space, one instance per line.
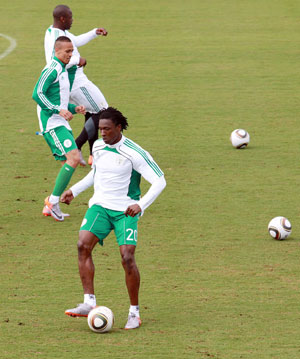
x=115 y=205
x=101 y=221
x=52 y=92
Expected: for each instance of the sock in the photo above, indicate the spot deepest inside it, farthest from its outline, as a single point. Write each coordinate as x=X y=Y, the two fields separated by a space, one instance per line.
x=53 y=199
x=134 y=309
x=62 y=179
x=90 y=299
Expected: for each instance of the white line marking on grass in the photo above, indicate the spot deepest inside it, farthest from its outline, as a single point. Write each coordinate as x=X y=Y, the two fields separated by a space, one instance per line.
x=11 y=47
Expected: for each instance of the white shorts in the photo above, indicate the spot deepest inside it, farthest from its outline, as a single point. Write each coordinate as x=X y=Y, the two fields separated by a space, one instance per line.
x=90 y=96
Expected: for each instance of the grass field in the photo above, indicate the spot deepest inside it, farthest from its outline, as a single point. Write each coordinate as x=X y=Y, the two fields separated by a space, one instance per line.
x=186 y=73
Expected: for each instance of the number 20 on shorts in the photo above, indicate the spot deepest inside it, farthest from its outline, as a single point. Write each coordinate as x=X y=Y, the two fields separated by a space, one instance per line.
x=132 y=236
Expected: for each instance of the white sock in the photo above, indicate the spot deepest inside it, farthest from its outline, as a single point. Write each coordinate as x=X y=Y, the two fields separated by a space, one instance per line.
x=53 y=199
x=90 y=299
x=135 y=309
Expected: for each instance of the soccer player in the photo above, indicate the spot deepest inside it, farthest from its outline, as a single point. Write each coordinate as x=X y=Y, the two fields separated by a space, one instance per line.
x=51 y=93
x=116 y=205
x=83 y=91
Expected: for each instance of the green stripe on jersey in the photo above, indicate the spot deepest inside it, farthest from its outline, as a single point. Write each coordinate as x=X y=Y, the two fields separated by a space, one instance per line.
x=110 y=149
x=152 y=164
x=90 y=99
x=43 y=78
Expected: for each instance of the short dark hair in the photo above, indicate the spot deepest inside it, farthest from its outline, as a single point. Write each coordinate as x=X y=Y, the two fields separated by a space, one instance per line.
x=111 y=113
x=62 y=39
x=60 y=11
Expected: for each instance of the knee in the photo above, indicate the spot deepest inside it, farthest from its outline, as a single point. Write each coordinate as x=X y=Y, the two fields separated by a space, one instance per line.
x=128 y=261
x=83 y=248
x=74 y=158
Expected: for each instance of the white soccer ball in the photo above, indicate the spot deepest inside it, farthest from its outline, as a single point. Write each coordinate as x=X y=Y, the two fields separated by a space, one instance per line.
x=280 y=228
x=100 y=319
x=239 y=138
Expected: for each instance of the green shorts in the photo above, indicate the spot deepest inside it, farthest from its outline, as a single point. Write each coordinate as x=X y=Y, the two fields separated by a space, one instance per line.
x=101 y=221
x=61 y=141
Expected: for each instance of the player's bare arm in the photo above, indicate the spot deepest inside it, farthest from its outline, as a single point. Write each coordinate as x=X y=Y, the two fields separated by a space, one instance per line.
x=101 y=31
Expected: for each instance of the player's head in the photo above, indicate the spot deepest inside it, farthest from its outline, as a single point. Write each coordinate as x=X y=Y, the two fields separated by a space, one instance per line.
x=115 y=116
x=111 y=124
x=62 y=17
x=63 y=49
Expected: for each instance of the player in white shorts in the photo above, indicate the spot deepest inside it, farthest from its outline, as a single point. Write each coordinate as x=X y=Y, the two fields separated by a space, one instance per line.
x=119 y=163
x=83 y=91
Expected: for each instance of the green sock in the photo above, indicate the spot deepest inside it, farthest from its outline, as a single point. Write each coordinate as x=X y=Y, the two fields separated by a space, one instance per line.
x=62 y=179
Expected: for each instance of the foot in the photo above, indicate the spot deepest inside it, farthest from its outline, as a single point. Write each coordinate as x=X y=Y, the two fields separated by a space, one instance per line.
x=82 y=310
x=90 y=161
x=81 y=161
x=46 y=212
x=133 y=322
x=54 y=209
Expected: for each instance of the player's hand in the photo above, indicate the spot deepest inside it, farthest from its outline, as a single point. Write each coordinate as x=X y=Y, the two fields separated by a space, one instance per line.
x=67 y=197
x=133 y=210
x=101 y=31
x=80 y=109
x=82 y=62
x=67 y=115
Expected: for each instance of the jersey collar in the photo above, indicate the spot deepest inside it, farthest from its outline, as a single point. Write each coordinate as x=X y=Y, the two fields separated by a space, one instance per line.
x=62 y=64
x=123 y=138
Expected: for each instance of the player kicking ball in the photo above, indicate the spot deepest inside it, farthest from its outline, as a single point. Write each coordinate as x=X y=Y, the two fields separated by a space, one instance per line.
x=115 y=205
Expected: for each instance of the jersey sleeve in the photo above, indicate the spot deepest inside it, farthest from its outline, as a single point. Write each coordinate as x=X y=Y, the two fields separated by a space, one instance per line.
x=84 y=184
x=39 y=95
x=144 y=164
x=82 y=39
x=71 y=108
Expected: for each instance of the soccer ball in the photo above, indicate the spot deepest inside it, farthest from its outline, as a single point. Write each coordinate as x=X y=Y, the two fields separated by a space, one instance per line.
x=280 y=228
x=239 y=138
x=100 y=319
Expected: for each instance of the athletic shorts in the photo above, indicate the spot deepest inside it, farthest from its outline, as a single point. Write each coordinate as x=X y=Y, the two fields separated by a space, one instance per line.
x=101 y=221
x=60 y=141
x=90 y=96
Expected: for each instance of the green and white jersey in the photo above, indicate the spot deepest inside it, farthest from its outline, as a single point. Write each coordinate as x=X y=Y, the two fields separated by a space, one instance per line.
x=116 y=175
x=76 y=74
x=52 y=92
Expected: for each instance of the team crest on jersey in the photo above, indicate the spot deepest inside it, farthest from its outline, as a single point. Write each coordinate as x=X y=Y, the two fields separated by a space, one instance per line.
x=120 y=161
x=67 y=143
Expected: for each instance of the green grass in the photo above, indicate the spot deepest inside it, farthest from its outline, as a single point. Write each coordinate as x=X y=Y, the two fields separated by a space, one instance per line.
x=186 y=73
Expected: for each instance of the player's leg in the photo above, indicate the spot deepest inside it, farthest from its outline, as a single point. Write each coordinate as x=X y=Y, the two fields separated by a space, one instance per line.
x=92 y=91
x=86 y=243
x=94 y=228
x=83 y=136
x=89 y=132
x=126 y=233
x=92 y=98
x=63 y=146
x=132 y=275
